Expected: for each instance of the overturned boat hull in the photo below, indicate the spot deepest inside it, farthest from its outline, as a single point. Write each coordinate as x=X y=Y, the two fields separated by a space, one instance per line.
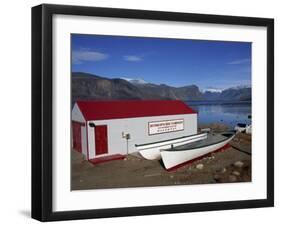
x=177 y=156
x=152 y=151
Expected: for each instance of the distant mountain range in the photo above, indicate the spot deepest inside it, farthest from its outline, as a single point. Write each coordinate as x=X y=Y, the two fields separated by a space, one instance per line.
x=88 y=86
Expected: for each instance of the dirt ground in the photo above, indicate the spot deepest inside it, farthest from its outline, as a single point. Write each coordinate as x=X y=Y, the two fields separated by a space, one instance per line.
x=231 y=165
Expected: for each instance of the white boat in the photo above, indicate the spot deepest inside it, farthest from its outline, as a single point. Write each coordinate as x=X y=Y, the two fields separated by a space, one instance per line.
x=243 y=128
x=249 y=129
x=240 y=127
x=151 y=151
x=177 y=156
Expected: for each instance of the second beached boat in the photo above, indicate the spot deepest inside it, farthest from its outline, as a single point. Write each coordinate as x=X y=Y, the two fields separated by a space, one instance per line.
x=151 y=151
x=176 y=156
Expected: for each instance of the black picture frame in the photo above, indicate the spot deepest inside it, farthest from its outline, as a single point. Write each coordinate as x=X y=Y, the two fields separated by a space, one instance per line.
x=42 y=107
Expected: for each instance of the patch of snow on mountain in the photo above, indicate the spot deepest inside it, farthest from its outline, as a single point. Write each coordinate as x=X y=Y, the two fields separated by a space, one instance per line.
x=240 y=87
x=213 y=90
x=135 y=81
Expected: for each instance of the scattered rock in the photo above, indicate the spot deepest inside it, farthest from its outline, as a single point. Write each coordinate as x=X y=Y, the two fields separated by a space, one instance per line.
x=171 y=176
x=232 y=178
x=236 y=173
x=199 y=166
x=217 y=177
x=223 y=170
x=239 y=164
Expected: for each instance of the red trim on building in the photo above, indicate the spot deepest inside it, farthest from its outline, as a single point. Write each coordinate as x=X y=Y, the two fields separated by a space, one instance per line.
x=101 y=110
x=80 y=123
x=106 y=159
x=87 y=141
x=200 y=157
x=77 y=136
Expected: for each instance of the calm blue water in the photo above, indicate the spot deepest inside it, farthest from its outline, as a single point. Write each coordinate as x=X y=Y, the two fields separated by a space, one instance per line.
x=229 y=113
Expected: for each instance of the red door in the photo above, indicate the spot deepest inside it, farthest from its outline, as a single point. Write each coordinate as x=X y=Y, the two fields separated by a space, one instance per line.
x=76 y=131
x=101 y=139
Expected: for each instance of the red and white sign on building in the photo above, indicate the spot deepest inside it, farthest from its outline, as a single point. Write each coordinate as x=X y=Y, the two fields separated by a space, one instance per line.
x=166 y=126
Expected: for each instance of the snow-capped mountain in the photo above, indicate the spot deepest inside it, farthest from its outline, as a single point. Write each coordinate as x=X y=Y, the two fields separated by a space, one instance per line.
x=135 y=81
x=89 y=86
x=213 y=90
x=241 y=87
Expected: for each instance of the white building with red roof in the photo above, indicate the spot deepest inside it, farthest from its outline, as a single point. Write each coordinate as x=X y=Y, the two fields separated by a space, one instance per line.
x=103 y=130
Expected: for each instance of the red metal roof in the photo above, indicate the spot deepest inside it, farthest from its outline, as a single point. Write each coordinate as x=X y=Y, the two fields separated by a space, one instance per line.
x=100 y=110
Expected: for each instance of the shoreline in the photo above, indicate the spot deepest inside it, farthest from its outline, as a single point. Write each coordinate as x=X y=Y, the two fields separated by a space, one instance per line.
x=217 y=102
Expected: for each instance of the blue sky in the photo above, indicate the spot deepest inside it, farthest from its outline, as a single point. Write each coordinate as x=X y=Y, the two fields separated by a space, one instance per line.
x=175 y=62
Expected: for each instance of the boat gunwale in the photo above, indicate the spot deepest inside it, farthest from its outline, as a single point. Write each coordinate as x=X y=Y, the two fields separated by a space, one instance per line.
x=174 y=149
x=139 y=145
x=143 y=149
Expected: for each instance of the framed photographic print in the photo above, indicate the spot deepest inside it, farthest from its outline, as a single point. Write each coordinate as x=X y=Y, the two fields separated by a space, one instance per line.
x=145 y=112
